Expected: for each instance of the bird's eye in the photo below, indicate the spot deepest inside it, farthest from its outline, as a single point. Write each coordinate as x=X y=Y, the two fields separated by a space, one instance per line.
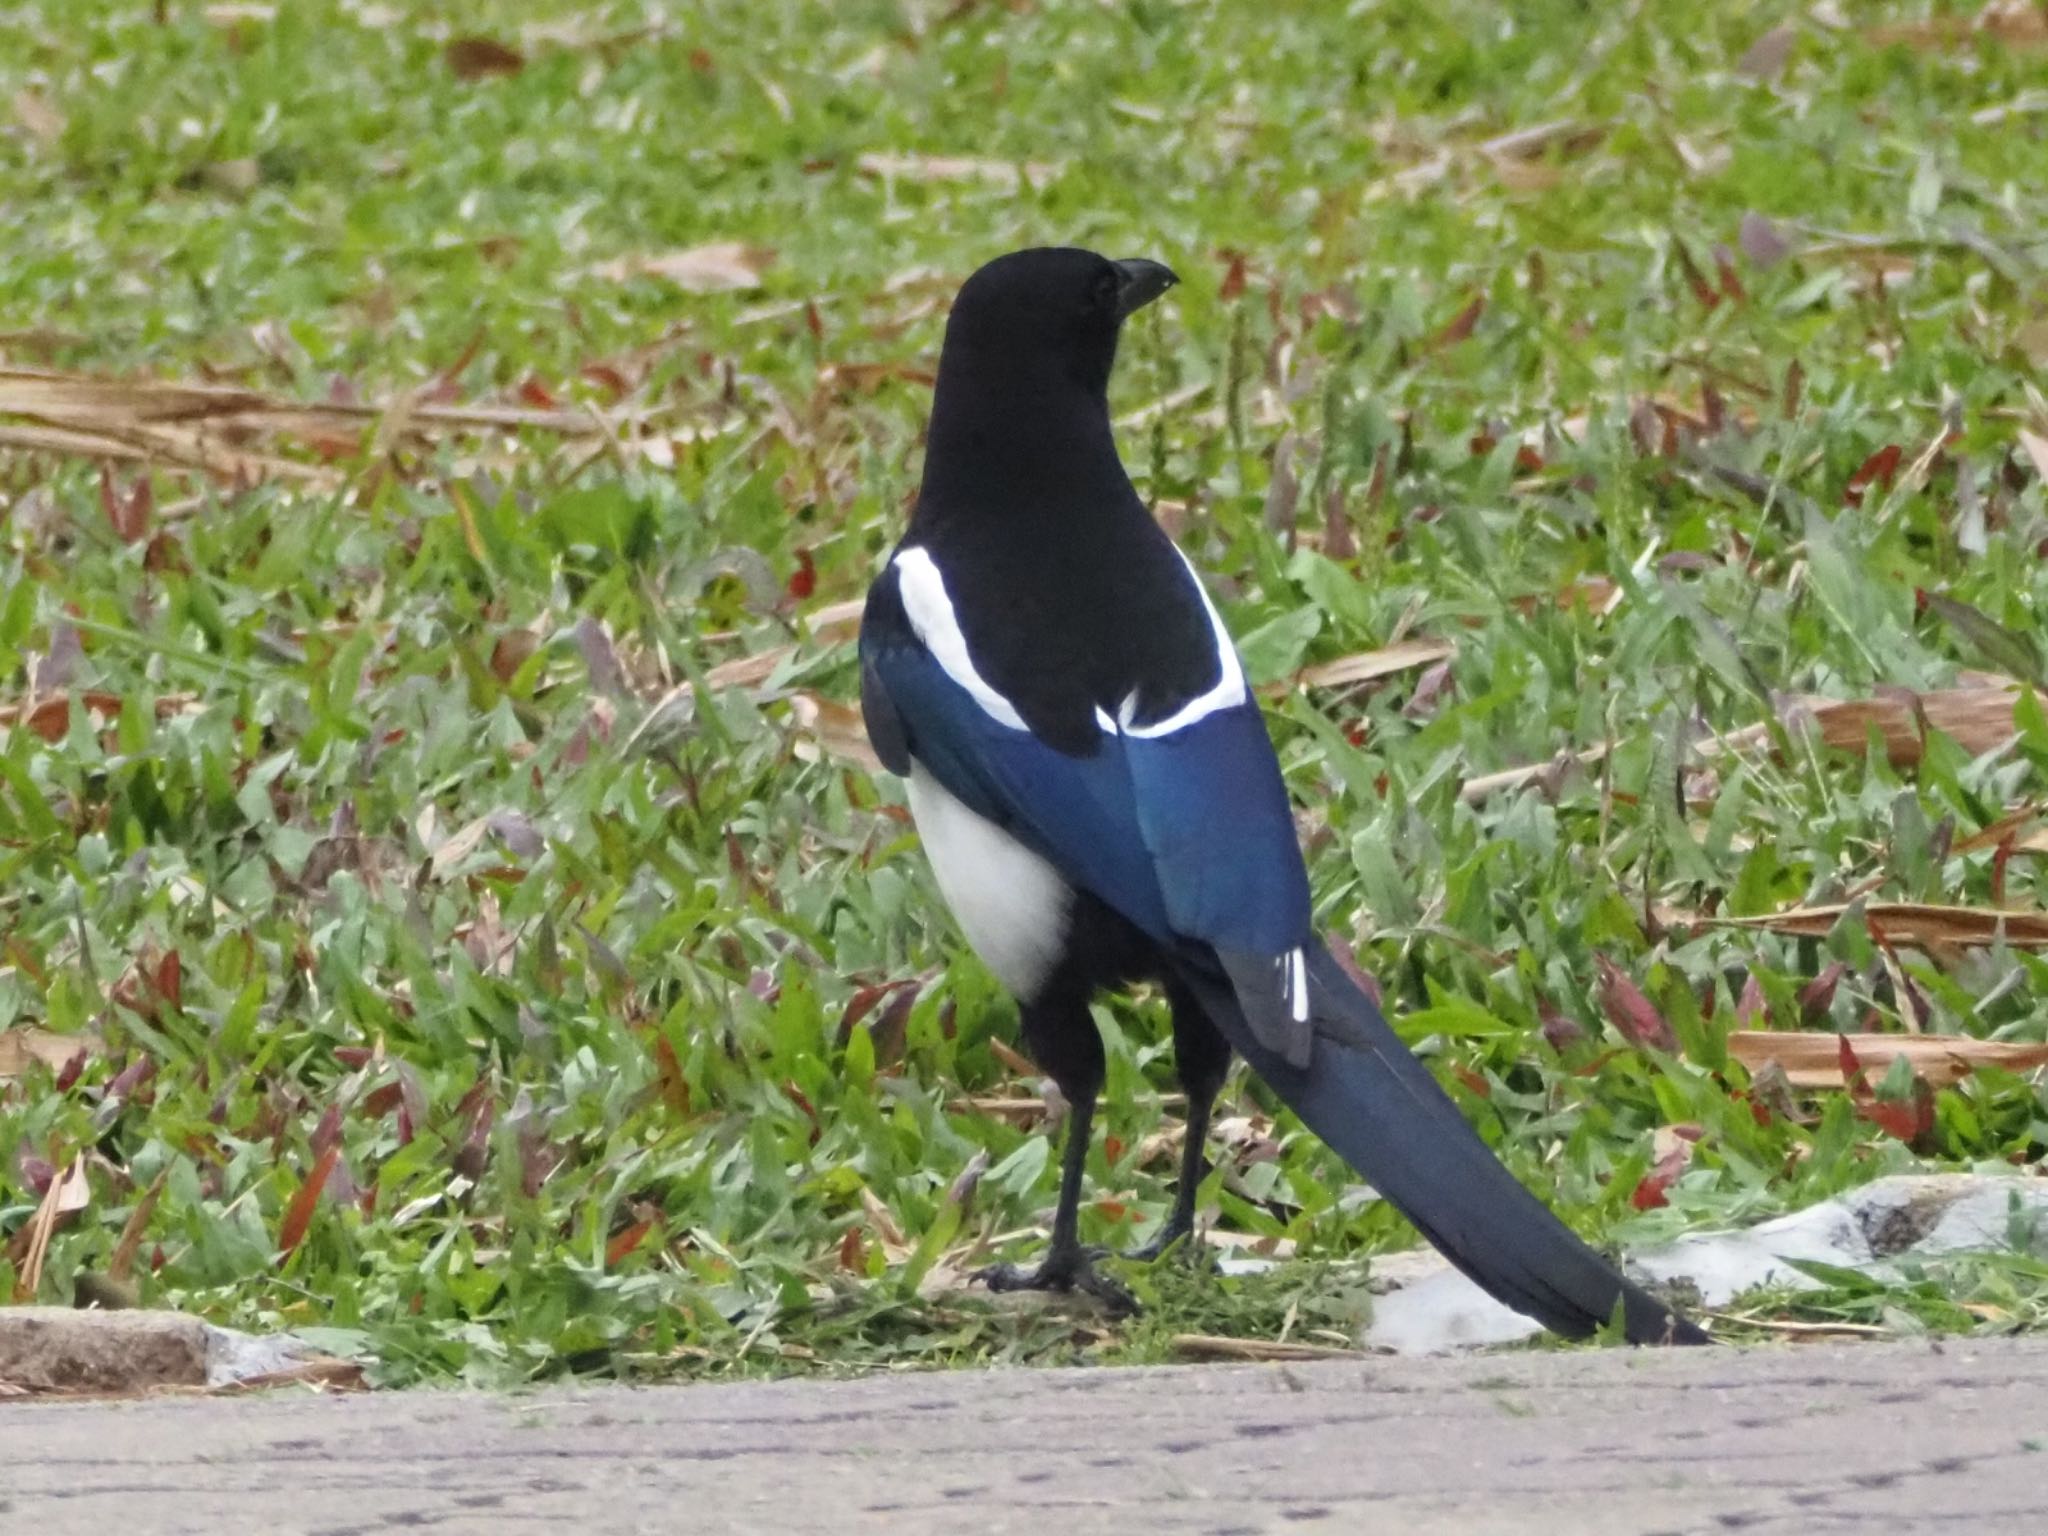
x=1102 y=293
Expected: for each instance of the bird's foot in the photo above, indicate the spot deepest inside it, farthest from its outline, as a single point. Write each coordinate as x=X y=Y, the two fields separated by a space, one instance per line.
x=1063 y=1269
x=1164 y=1241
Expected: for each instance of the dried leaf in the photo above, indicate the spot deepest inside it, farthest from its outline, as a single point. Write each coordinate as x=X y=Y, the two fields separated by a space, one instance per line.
x=1765 y=58
x=1206 y=1346
x=836 y=727
x=27 y=1045
x=2036 y=448
x=1812 y=1058
x=1761 y=242
x=1365 y=666
x=999 y=173
x=1914 y=923
x=449 y=854
x=206 y=427
x=2014 y=23
x=34 y=112
x=1486 y=785
x=725 y=266
x=1979 y=718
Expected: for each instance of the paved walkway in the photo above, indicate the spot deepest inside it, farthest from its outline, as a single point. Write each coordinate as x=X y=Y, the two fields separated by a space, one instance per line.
x=1856 y=1439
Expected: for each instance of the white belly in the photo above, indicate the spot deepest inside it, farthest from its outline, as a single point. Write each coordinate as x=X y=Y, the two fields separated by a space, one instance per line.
x=1011 y=904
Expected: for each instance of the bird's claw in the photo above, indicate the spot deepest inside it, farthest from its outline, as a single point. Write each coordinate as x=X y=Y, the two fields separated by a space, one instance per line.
x=1070 y=1270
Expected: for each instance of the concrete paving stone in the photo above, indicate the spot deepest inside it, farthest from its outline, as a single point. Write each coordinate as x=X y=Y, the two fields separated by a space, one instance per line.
x=1820 y=1438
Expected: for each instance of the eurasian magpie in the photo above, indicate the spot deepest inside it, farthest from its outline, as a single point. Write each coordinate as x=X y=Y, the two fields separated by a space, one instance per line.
x=1094 y=786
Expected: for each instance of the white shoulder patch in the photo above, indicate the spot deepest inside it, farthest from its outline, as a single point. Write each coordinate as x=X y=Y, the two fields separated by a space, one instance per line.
x=1229 y=691
x=930 y=612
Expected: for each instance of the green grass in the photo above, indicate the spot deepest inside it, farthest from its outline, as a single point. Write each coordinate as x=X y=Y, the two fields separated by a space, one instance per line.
x=593 y=1095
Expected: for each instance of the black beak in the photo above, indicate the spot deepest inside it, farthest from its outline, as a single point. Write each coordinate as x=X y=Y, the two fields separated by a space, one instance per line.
x=1143 y=281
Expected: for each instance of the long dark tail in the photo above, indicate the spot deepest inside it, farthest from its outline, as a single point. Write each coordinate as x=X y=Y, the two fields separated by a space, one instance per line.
x=1379 y=1108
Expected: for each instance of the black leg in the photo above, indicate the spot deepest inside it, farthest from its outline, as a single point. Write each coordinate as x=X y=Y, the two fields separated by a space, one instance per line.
x=1201 y=1057
x=1063 y=1039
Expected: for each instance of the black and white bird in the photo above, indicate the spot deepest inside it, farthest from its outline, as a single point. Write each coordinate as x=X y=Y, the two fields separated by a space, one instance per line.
x=1093 y=783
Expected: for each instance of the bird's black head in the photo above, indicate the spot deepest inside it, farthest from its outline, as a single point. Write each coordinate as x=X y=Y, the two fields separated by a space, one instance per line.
x=1050 y=310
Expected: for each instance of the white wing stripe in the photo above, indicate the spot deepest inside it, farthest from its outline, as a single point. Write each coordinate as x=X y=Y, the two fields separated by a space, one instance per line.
x=1229 y=691
x=930 y=612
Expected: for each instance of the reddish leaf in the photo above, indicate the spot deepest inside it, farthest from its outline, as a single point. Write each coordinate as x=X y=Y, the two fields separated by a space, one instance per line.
x=1472 y=1080
x=1724 y=268
x=168 y=979
x=804 y=581
x=891 y=1030
x=1338 y=540
x=1761 y=242
x=511 y=652
x=478 y=58
x=299 y=1213
x=1752 y=1006
x=860 y=1005
x=327 y=1134
x=128 y=515
x=129 y=1081
x=802 y=1102
x=675 y=1088
x=1852 y=1068
x=1347 y=962
x=1233 y=275
x=537 y=394
x=1674 y=1156
x=610 y=382
x=1880 y=467
x=1630 y=1011
x=1818 y=995
x=617 y=1249
x=1462 y=324
x=1430 y=689
x=379 y=1102
x=50 y=719
x=1907 y=1119
x=1695 y=279
x=853 y=1253
x=1562 y=1032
